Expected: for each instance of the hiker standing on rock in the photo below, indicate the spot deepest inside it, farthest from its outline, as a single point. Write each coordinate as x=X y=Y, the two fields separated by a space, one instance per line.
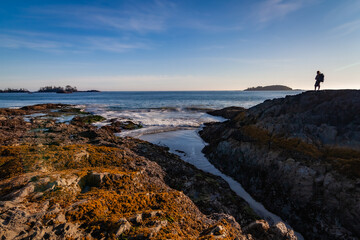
x=319 y=78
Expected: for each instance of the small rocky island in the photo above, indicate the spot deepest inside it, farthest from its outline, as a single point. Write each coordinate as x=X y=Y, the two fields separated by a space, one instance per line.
x=14 y=90
x=47 y=89
x=270 y=88
x=73 y=180
x=299 y=156
x=66 y=89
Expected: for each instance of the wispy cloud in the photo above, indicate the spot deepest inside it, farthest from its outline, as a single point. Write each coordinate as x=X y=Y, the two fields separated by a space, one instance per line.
x=269 y=10
x=138 y=23
x=251 y=60
x=152 y=16
x=206 y=25
x=344 y=9
x=18 y=42
x=347 y=66
x=112 y=44
x=65 y=43
x=347 y=28
x=212 y=47
x=140 y=18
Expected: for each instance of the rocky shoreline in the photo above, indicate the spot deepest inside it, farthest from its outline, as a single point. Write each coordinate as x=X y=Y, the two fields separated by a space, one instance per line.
x=299 y=156
x=62 y=177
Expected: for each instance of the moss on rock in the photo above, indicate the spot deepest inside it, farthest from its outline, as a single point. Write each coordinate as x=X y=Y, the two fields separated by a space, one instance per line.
x=87 y=119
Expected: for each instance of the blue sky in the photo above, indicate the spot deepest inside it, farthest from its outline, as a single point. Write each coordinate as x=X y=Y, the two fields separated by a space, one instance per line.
x=179 y=45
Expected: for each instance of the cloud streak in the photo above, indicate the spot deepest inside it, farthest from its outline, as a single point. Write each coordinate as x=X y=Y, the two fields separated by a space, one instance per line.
x=112 y=45
x=21 y=42
x=150 y=17
x=62 y=44
x=347 y=66
x=273 y=9
x=94 y=28
x=347 y=28
x=251 y=60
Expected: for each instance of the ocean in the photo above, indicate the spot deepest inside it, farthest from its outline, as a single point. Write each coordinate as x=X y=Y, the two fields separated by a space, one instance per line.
x=156 y=111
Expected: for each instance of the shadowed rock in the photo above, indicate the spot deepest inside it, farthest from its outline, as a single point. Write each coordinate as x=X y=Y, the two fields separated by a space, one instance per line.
x=299 y=156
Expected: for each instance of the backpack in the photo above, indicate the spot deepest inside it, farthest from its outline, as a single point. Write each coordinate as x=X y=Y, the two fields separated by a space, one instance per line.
x=321 y=77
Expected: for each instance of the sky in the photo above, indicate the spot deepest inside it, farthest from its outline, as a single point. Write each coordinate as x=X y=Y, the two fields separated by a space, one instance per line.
x=179 y=45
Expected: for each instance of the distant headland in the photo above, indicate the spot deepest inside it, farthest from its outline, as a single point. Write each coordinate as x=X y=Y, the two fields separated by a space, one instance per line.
x=47 y=89
x=270 y=88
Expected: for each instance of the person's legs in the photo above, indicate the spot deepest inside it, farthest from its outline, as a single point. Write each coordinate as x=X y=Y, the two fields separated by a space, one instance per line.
x=317 y=84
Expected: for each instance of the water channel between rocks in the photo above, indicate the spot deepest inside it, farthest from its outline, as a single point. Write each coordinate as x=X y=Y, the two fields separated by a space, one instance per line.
x=188 y=145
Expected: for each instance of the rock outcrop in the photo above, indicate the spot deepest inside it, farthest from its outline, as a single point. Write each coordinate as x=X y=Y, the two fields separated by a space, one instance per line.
x=299 y=156
x=72 y=180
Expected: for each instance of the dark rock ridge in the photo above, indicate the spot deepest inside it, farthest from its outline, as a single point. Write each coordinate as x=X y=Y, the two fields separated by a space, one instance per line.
x=299 y=156
x=229 y=112
x=269 y=88
x=74 y=180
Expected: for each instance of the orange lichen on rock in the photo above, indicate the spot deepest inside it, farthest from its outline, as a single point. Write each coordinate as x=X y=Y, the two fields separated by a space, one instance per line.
x=296 y=145
x=169 y=214
x=103 y=209
x=346 y=160
x=15 y=160
x=263 y=137
x=99 y=191
x=256 y=134
x=77 y=181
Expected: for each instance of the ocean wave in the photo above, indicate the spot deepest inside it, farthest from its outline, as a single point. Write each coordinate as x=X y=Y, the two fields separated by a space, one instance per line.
x=166 y=109
x=155 y=120
x=159 y=109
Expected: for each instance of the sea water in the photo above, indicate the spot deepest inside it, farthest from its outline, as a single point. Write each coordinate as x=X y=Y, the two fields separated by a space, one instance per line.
x=156 y=111
x=172 y=119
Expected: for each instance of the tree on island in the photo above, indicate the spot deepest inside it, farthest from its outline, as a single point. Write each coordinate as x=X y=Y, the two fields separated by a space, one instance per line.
x=50 y=89
x=67 y=89
x=14 y=90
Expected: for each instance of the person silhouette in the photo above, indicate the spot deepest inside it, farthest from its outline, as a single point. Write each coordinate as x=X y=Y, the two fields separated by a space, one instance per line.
x=319 y=78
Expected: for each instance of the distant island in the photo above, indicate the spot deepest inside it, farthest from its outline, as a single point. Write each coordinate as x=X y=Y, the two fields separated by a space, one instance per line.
x=14 y=90
x=47 y=89
x=67 y=89
x=54 y=89
x=270 y=88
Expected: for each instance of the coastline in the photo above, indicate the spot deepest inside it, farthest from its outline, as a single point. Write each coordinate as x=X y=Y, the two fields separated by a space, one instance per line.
x=67 y=158
x=246 y=137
